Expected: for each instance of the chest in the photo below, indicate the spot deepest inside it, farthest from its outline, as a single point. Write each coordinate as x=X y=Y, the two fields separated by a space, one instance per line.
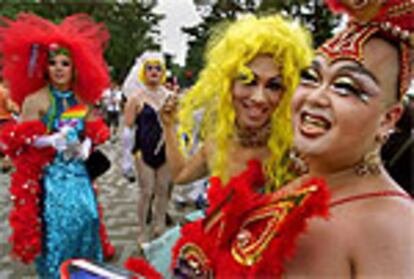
x=323 y=250
x=155 y=99
x=240 y=156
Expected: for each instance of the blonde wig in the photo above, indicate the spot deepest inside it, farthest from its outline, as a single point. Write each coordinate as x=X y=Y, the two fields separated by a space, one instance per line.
x=136 y=76
x=229 y=50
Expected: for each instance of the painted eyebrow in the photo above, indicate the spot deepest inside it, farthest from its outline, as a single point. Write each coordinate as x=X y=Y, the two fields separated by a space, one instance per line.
x=277 y=77
x=360 y=70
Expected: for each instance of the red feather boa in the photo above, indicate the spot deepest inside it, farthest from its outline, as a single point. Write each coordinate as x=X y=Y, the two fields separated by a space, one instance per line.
x=97 y=131
x=25 y=189
x=142 y=268
x=231 y=209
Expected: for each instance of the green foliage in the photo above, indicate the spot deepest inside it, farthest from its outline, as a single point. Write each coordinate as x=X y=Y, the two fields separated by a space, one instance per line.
x=130 y=23
x=312 y=13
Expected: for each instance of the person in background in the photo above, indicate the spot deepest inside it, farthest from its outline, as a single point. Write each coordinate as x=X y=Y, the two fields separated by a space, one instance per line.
x=8 y=112
x=112 y=100
x=141 y=118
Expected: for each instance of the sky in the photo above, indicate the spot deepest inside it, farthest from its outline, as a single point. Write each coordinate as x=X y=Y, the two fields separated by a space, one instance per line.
x=178 y=13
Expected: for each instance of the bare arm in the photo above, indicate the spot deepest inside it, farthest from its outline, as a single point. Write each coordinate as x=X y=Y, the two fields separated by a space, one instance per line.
x=132 y=107
x=183 y=170
x=386 y=245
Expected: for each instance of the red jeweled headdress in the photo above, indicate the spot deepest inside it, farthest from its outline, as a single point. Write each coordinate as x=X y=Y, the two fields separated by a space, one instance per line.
x=393 y=19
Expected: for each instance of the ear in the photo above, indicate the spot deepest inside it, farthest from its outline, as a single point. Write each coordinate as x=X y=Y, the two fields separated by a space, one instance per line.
x=390 y=118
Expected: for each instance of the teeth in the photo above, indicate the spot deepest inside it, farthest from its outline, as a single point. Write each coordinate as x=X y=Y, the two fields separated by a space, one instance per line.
x=315 y=121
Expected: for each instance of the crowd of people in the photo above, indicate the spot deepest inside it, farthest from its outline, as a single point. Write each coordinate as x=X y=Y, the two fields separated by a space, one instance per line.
x=305 y=156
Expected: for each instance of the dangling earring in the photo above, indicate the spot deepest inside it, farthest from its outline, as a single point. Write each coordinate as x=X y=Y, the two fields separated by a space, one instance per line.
x=371 y=162
x=297 y=164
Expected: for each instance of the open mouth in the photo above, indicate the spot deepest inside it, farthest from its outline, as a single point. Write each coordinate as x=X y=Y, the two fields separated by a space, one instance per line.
x=255 y=111
x=313 y=125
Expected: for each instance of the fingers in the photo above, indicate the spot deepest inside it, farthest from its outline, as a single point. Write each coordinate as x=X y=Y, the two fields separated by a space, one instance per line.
x=170 y=104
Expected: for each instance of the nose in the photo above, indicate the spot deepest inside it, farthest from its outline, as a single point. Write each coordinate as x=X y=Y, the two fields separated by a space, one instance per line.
x=259 y=94
x=318 y=96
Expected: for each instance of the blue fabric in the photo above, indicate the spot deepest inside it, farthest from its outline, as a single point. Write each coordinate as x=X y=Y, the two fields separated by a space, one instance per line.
x=158 y=252
x=70 y=215
x=51 y=118
x=70 y=211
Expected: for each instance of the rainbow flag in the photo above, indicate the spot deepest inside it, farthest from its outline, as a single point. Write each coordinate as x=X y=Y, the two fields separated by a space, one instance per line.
x=75 y=112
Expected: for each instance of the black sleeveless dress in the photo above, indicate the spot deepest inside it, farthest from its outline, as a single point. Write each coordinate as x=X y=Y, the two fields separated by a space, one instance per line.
x=148 y=136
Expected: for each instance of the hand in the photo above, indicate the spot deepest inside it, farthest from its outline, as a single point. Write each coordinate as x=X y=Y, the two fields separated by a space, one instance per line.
x=168 y=110
x=85 y=149
x=59 y=142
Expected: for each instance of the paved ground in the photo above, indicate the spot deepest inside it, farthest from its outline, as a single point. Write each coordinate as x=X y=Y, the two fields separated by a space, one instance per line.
x=119 y=201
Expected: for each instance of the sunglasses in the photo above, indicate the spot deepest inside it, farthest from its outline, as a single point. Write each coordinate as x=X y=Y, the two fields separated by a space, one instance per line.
x=62 y=63
x=150 y=67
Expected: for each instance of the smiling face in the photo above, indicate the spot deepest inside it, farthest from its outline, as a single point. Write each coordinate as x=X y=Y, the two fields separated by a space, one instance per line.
x=60 y=71
x=257 y=93
x=340 y=109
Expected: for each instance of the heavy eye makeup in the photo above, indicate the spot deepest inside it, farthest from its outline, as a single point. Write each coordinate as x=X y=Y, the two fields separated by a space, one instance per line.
x=246 y=79
x=346 y=86
x=309 y=76
x=275 y=84
x=63 y=63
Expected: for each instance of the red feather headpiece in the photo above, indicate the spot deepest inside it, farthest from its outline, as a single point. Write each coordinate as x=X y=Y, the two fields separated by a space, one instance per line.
x=393 y=19
x=24 y=45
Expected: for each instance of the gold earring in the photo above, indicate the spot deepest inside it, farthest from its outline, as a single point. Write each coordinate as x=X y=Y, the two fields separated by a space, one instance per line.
x=297 y=164
x=370 y=164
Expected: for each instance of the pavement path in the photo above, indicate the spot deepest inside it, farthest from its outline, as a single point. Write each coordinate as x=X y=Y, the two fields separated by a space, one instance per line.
x=119 y=200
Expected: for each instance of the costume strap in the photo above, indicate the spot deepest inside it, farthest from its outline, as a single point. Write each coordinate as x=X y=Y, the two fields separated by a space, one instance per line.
x=366 y=196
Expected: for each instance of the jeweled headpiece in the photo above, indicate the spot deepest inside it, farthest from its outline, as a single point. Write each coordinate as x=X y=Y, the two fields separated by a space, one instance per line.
x=391 y=19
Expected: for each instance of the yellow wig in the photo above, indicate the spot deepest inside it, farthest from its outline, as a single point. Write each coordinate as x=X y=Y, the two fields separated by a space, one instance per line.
x=228 y=51
x=154 y=58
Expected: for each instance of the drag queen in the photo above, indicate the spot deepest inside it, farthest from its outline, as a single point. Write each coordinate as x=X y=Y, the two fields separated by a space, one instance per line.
x=56 y=73
x=146 y=141
x=344 y=109
x=253 y=66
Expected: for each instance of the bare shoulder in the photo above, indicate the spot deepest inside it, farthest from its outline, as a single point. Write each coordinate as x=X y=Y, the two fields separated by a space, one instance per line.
x=35 y=105
x=385 y=214
x=383 y=237
x=38 y=97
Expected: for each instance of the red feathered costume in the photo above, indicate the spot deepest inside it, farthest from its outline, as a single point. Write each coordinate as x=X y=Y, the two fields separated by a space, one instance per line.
x=24 y=45
x=246 y=234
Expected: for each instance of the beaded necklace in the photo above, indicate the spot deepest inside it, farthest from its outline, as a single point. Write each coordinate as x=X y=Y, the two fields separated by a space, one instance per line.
x=253 y=137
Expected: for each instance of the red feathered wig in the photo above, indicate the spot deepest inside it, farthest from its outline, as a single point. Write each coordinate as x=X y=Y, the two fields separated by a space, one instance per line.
x=392 y=19
x=24 y=45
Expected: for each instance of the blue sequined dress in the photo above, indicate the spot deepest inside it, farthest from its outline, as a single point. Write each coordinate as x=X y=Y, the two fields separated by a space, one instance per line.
x=70 y=211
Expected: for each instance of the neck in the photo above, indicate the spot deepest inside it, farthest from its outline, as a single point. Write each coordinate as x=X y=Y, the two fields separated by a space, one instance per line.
x=253 y=137
x=152 y=87
x=62 y=87
x=345 y=176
